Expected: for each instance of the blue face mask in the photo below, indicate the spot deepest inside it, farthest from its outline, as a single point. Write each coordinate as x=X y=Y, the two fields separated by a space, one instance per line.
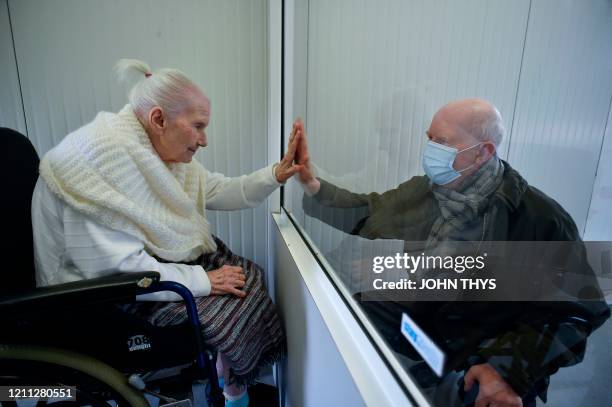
x=438 y=162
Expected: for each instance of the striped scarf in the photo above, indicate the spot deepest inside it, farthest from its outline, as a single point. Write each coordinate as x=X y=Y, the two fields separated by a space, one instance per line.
x=462 y=210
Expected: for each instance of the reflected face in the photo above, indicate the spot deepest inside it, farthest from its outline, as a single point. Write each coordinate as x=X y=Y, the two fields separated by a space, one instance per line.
x=185 y=133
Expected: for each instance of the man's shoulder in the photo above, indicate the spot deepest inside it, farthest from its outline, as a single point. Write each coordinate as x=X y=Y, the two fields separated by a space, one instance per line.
x=545 y=211
x=535 y=209
x=541 y=203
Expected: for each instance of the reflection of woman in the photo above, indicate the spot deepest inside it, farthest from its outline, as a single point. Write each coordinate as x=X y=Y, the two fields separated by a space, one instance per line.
x=122 y=193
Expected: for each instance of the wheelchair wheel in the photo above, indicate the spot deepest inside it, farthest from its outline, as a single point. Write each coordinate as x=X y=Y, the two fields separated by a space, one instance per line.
x=94 y=380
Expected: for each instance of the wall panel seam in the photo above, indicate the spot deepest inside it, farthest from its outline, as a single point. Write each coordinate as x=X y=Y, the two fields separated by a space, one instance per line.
x=518 y=83
x=601 y=146
x=305 y=118
x=25 y=122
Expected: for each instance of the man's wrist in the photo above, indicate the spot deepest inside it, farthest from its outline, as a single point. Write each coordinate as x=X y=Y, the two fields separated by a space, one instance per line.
x=312 y=187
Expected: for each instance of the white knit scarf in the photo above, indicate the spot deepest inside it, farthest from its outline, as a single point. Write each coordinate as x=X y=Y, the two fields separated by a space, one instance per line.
x=109 y=171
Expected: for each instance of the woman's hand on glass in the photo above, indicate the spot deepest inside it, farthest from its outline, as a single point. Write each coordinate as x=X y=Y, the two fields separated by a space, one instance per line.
x=227 y=280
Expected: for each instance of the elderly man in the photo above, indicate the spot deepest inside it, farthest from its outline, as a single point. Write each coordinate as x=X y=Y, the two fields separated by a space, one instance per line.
x=467 y=194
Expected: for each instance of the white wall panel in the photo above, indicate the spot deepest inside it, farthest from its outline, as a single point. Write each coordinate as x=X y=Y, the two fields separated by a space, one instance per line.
x=67 y=49
x=11 y=111
x=378 y=71
x=563 y=100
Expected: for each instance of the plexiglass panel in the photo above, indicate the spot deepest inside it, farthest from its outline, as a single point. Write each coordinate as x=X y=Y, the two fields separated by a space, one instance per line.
x=403 y=218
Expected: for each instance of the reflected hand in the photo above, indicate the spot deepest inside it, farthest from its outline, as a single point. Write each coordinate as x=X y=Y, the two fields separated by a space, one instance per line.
x=289 y=164
x=227 y=280
x=493 y=389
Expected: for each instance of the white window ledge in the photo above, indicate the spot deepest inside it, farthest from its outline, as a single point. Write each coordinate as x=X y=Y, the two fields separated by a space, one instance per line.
x=373 y=378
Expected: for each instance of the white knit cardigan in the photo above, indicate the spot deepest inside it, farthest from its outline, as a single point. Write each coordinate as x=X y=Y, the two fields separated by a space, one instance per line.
x=109 y=171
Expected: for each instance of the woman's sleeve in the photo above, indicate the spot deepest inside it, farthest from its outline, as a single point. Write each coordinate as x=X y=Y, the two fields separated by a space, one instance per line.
x=95 y=250
x=246 y=191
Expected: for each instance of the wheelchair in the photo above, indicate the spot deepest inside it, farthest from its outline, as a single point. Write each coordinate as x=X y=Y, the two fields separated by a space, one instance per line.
x=78 y=334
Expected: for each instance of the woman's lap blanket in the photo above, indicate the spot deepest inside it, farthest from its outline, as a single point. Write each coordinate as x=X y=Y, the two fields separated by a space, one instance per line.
x=247 y=330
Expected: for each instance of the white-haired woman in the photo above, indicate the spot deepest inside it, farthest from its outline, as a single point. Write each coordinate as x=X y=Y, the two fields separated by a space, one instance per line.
x=124 y=193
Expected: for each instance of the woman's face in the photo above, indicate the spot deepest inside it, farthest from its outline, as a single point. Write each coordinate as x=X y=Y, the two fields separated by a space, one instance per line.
x=181 y=136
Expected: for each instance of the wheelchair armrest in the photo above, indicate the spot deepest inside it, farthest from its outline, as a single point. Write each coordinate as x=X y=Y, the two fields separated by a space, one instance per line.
x=117 y=287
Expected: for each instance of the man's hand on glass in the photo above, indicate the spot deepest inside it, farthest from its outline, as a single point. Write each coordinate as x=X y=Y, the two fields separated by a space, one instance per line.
x=227 y=280
x=289 y=165
x=493 y=390
x=306 y=174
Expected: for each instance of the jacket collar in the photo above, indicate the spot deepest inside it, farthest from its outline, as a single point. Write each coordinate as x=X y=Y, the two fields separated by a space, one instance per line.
x=513 y=187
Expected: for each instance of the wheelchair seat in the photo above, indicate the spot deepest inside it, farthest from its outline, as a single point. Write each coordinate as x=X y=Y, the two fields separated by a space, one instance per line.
x=85 y=321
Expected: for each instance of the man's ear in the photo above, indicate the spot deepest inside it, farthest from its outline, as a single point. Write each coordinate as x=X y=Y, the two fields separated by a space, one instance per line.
x=157 y=119
x=486 y=151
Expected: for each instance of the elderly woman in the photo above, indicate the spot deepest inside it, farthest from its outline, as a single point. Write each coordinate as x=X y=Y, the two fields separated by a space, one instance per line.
x=123 y=193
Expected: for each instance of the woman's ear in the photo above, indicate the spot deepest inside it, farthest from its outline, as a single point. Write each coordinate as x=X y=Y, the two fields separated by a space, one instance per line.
x=157 y=121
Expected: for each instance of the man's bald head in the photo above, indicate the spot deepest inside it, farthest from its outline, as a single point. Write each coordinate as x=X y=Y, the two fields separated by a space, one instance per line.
x=473 y=117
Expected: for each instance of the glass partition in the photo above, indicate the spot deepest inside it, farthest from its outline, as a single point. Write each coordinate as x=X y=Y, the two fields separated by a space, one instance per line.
x=476 y=266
